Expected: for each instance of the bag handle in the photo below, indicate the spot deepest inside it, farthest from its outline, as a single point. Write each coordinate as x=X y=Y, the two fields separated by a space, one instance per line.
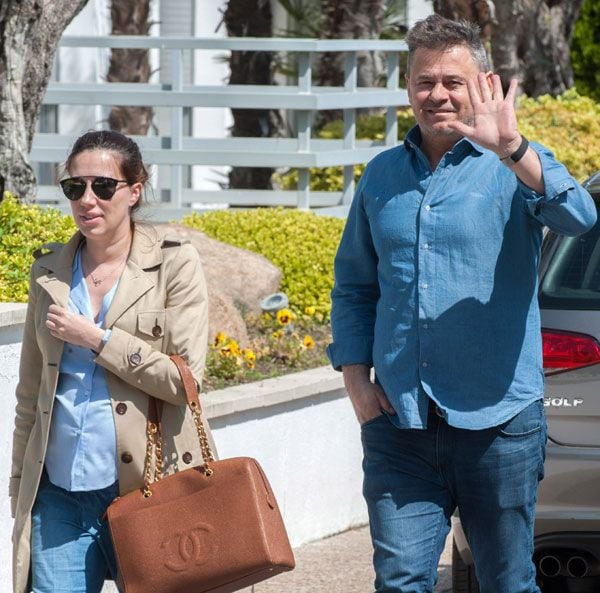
x=191 y=394
x=154 y=428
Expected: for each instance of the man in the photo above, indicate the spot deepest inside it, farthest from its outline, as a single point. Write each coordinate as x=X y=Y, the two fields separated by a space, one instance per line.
x=436 y=281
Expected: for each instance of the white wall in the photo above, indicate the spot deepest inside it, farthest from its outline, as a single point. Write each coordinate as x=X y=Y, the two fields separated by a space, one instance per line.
x=83 y=65
x=301 y=428
x=418 y=9
x=210 y=68
x=10 y=338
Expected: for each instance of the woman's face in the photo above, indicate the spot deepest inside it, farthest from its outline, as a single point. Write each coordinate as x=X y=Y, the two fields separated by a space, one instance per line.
x=98 y=218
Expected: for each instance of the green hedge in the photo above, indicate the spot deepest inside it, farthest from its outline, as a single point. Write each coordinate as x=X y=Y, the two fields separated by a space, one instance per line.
x=24 y=228
x=300 y=243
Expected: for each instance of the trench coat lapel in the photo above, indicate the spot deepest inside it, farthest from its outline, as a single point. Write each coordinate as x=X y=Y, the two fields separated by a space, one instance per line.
x=59 y=271
x=135 y=280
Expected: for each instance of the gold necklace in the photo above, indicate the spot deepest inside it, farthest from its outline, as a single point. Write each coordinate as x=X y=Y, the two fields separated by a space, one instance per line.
x=98 y=281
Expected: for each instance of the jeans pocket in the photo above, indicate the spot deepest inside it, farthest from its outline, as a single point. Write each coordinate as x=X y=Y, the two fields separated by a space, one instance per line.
x=372 y=420
x=527 y=422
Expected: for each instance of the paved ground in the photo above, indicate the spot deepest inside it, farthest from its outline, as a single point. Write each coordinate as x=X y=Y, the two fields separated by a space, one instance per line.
x=340 y=564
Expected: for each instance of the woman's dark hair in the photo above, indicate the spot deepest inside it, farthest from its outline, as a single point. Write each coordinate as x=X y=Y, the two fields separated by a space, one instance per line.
x=439 y=33
x=125 y=150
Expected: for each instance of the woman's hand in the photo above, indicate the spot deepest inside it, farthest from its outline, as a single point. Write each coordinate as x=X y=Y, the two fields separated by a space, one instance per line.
x=73 y=328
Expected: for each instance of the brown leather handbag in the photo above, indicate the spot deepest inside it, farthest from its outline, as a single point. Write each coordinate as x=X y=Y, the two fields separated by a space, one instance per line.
x=212 y=528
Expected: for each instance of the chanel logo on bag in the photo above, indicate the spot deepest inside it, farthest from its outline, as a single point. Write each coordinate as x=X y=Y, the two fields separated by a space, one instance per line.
x=187 y=549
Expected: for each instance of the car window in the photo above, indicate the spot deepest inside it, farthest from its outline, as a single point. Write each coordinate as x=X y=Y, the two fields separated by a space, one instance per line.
x=572 y=278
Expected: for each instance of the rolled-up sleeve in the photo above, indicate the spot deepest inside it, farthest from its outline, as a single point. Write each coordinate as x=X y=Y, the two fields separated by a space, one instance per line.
x=566 y=207
x=356 y=290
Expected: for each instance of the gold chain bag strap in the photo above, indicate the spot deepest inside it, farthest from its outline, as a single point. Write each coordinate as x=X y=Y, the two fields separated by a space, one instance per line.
x=212 y=528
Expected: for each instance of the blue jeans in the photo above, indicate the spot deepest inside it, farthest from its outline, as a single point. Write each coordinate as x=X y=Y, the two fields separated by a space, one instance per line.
x=71 y=548
x=415 y=479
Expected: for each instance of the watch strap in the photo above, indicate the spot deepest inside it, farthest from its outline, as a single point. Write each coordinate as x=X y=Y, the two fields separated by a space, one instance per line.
x=516 y=156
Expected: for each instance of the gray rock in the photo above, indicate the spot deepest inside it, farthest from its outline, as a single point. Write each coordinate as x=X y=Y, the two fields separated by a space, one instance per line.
x=237 y=281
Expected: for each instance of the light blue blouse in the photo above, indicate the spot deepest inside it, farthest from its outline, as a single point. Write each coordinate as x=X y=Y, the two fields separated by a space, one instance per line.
x=81 y=453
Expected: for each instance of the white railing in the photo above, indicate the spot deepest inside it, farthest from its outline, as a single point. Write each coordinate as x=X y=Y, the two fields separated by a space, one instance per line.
x=302 y=101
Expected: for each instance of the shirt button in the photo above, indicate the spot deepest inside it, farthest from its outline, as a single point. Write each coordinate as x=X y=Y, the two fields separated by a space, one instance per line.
x=126 y=457
x=424 y=364
x=425 y=326
x=121 y=408
x=428 y=207
x=187 y=457
x=424 y=285
x=425 y=245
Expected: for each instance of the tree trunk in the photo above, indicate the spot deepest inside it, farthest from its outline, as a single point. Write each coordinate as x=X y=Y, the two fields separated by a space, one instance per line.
x=251 y=18
x=29 y=34
x=478 y=11
x=130 y=17
x=351 y=19
x=530 y=39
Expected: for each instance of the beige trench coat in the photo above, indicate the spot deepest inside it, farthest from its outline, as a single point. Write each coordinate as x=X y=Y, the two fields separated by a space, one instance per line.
x=159 y=308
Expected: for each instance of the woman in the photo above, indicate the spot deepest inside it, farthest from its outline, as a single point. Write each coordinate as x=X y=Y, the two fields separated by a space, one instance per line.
x=105 y=312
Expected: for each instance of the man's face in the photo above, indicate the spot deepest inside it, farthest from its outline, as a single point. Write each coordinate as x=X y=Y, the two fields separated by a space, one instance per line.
x=437 y=90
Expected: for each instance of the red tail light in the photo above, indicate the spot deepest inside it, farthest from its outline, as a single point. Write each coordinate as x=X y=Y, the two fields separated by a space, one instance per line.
x=566 y=350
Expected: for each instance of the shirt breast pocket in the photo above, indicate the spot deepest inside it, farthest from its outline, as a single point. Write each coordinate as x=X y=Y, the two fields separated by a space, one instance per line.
x=151 y=327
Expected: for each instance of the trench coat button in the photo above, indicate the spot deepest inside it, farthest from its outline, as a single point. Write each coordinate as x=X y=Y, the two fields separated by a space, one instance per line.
x=187 y=457
x=157 y=331
x=126 y=457
x=135 y=359
x=121 y=408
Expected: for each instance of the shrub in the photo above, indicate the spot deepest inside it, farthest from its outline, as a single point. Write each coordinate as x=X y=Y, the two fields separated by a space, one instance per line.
x=569 y=125
x=585 y=50
x=24 y=228
x=300 y=243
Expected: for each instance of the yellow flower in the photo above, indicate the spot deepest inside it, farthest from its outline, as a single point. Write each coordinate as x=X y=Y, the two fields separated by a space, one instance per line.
x=267 y=316
x=220 y=338
x=308 y=342
x=250 y=364
x=225 y=350
x=310 y=310
x=235 y=348
x=249 y=355
x=284 y=316
x=276 y=334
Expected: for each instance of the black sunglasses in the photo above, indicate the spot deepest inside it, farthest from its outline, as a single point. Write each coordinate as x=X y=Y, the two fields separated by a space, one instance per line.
x=104 y=188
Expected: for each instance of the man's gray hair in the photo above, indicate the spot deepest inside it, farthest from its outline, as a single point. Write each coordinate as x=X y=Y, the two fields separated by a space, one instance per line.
x=437 y=32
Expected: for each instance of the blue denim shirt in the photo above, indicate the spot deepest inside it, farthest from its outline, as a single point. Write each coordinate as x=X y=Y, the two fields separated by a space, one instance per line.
x=82 y=450
x=436 y=280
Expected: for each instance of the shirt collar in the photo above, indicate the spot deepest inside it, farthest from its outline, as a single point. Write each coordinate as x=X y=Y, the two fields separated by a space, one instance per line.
x=464 y=146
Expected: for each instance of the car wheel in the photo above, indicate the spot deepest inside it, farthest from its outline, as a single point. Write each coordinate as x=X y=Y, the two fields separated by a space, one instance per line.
x=463 y=575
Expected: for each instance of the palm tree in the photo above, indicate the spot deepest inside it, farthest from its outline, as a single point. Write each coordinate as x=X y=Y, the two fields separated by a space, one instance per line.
x=251 y=18
x=130 y=17
x=351 y=19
